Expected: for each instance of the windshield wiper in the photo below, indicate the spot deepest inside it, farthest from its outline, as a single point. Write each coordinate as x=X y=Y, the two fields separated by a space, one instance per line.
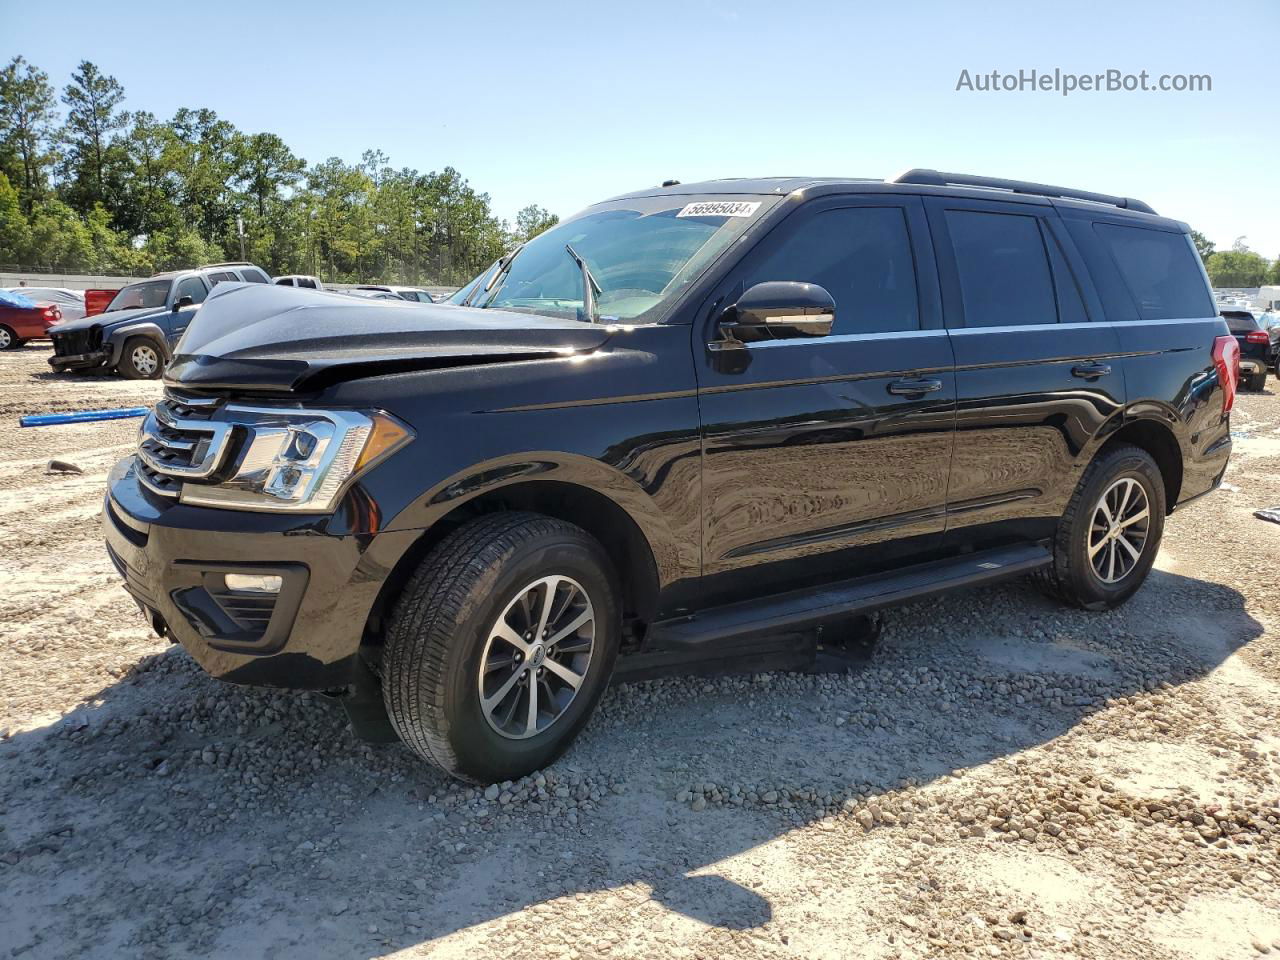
x=504 y=264
x=590 y=289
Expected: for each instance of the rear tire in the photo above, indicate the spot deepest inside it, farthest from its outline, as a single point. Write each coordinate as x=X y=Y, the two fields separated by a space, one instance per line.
x=1094 y=563
x=450 y=654
x=8 y=339
x=1255 y=381
x=141 y=359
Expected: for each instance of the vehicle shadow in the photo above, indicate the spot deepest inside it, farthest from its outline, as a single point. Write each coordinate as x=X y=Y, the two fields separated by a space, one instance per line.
x=175 y=815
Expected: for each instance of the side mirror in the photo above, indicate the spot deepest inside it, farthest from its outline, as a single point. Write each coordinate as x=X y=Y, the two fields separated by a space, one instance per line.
x=182 y=302
x=779 y=310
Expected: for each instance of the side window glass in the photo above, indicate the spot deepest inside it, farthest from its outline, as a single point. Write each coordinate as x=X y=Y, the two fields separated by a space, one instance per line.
x=217 y=278
x=1070 y=303
x=1160 y=270
x=311 y=284
x=1003 y=268
x=252 y=276
x=861 y=256
x=192 y=287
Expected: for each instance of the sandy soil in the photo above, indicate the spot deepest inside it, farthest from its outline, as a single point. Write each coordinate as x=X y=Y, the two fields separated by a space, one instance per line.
x=1005 y=778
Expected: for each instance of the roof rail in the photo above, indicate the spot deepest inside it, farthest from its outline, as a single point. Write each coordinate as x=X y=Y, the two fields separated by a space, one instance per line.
x=939 y=179
x=228 y=263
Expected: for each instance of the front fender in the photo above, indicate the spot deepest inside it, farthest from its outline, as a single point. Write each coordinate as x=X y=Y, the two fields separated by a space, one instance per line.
x=116 y=337
x=675 y=556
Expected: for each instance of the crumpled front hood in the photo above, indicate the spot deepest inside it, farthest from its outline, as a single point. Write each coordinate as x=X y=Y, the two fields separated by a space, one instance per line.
x=260 y=337
x=107 y=319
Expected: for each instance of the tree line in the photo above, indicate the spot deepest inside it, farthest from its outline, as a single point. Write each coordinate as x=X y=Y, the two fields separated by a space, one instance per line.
x=1237 y=267
x=86 y=185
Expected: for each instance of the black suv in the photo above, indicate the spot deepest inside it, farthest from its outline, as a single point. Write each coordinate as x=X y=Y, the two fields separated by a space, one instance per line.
x=691 y=424
x=136 y=333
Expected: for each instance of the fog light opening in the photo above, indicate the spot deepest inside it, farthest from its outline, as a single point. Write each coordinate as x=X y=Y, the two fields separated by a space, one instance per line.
x=253 y=583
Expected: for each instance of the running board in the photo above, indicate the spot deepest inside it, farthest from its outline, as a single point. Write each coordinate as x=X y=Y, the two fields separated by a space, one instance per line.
x=805 y=609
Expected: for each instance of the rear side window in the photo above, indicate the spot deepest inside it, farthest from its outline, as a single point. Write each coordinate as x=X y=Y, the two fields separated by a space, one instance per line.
x=1003 y=268
x=861 y=256
x=217 y=278
x=253 y=276
x=1160 y=271
x=305 y=282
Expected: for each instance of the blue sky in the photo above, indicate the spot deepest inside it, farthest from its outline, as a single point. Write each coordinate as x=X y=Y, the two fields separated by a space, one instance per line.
x=566 y=103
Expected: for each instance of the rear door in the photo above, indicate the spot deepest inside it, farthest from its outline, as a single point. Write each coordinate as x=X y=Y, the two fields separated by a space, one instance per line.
x=819 y=459
x=1037 y=374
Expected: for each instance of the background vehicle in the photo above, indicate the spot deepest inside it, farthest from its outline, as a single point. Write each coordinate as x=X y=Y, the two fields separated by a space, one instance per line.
x=298 y=280
x=404 y=293
x=689 y=425
x=1257 y=347
x=136 y=333
x=97 y=299
x=21 y=320
x=70 y=303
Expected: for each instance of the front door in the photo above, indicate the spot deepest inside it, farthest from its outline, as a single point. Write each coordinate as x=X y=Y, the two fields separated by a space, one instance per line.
x=828 y=457
x=180 y=318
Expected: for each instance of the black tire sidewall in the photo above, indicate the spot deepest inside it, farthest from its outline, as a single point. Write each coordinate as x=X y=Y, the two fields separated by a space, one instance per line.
x=126 y=367
x=482 y=753
x=1091 y=591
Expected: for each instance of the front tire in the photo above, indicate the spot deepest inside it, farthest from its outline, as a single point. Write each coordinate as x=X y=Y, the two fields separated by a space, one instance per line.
x=8 y=339
x=500 y=646
x=1108 y=537
x=141 y=359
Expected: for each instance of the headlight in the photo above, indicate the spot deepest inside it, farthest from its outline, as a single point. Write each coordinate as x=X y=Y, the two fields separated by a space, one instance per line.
x=298 y=460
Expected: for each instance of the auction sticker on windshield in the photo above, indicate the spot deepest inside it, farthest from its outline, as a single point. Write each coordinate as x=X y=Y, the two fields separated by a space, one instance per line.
x=719 y=208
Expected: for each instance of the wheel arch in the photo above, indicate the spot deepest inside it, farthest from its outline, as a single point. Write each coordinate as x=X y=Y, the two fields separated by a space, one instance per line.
x=632 y=553
x=118 y=337
x=1158 y=439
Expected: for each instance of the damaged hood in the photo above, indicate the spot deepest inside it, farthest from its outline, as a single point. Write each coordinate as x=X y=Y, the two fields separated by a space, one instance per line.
x=261 y=337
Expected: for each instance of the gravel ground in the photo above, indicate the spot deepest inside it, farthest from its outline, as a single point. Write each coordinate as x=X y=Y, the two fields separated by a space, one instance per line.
x=1005 y=778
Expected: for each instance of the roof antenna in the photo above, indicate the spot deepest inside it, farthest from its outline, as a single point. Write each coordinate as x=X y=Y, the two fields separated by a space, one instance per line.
x=671 y=183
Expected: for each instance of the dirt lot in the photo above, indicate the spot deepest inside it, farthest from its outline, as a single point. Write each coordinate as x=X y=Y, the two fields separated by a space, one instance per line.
x=1006 y=778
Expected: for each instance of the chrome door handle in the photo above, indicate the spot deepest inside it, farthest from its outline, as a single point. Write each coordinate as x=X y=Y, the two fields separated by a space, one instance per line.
x=1088 y=371
x=912 y=387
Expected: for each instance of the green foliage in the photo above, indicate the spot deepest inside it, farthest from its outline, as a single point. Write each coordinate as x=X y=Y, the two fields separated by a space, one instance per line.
x=1237 y=268
x=1204 y=246
x=113 y=191
x=532 y=220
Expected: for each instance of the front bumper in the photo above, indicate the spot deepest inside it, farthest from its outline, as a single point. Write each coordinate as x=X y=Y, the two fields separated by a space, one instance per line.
x=173 y=559
x=81 y=361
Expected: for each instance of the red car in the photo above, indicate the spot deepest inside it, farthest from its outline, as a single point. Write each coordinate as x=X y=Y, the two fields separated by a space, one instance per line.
x=20 y=324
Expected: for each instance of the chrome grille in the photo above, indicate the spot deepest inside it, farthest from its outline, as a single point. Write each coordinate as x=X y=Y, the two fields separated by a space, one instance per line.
x=180 y=441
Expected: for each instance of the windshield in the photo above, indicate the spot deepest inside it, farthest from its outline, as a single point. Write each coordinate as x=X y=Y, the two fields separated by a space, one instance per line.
x=150 y=293
x=642 y=252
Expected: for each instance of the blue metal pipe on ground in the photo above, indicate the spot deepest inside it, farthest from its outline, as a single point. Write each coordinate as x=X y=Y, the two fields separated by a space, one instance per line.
x=83 y=416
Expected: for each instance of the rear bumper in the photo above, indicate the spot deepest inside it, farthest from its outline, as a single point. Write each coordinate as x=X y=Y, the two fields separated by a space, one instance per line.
x=81 y=361
x=173 y=559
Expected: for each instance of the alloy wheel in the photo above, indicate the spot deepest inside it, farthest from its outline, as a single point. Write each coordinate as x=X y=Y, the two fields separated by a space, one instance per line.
x=5 y=340
x=1118 y=530
x=536 y=657
x=145 y=359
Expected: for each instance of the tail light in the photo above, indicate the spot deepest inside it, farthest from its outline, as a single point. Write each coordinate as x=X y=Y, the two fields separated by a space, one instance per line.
x=1257 y=336
x=1226 y=359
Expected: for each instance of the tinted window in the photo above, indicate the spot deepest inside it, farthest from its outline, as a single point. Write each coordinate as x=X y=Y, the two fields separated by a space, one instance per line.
x=1070 y=304
x=284 y=282
x=861 y=256
x=304 y=282
x=1160 y=270
x=1003 y=269
x=192 y=287
x=1240 y=321
x=217 y=278
x=253 y=276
